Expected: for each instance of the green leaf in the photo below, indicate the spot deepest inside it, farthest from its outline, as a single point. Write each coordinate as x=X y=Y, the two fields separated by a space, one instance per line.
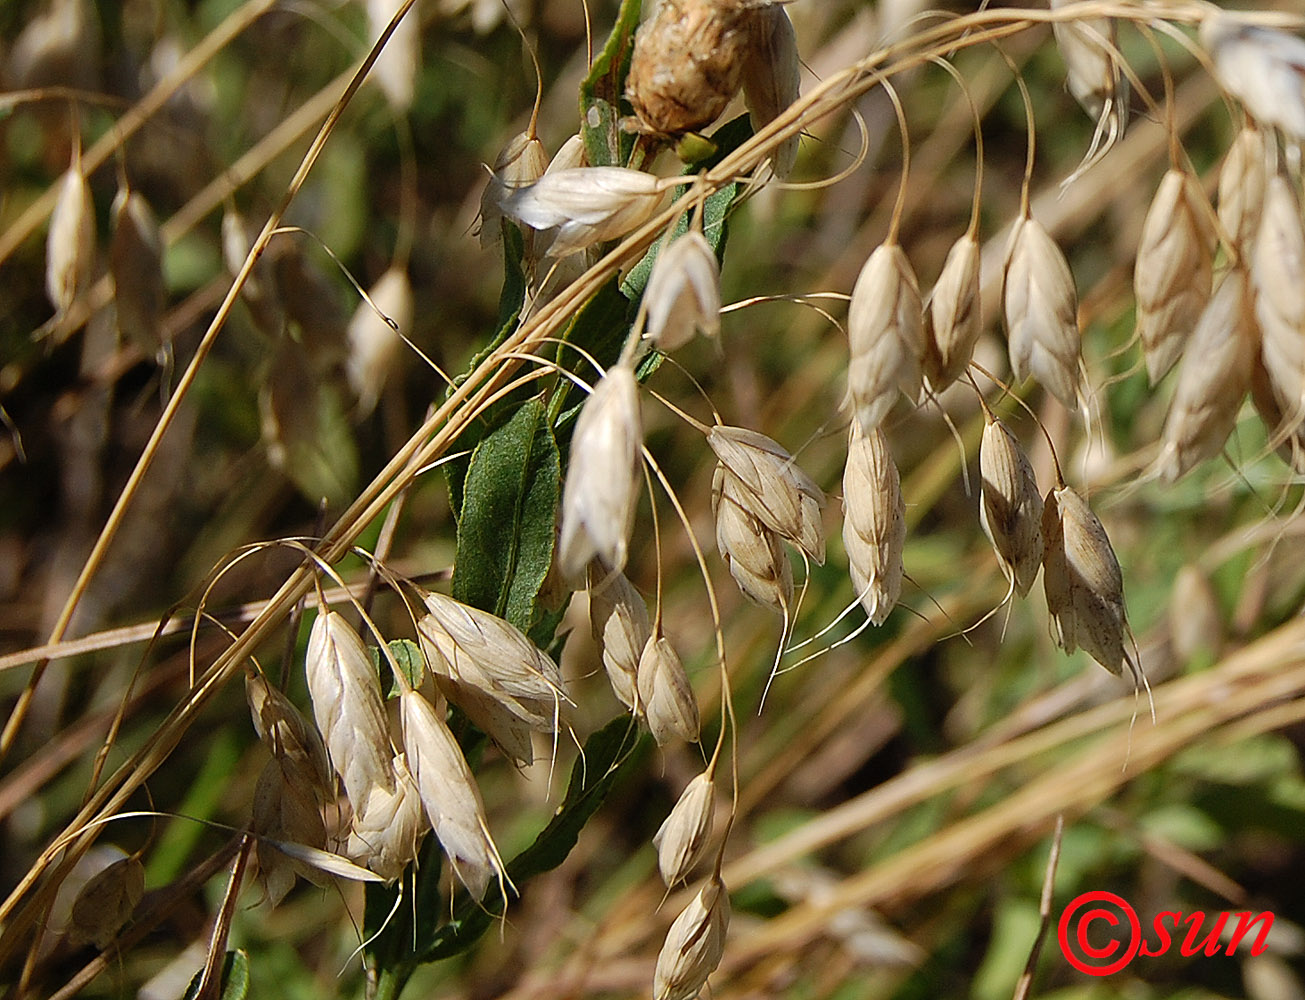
x=407 y=654
x=235 y=978
x=507 y=527
x=602 y=95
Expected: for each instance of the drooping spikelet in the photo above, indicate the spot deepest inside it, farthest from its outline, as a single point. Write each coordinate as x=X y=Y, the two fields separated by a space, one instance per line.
x=287 y=811
x=397 y=66
x=373 y=343
x=1278 y=276
x=1041 y=309
x=885 y=331
x=954 y=317
x=665 y=694
x=681 y=841
x=683 y=293
x=772 y=77
x=694 y=944
x=70 y=246
x=1261 y=67
x=136 y=263
x=1010 y=506
x=1092 y=70
x=1242 y=180
x=288 y=736
x=874 y=522
x=520 y=163
x=585 y=205
x=753 y=552
x=106 y=902
x=388 y=828
x=618 y=619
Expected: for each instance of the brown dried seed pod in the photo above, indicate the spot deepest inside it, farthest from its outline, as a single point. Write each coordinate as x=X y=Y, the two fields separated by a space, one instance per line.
x=1212 y=379
x=136 y=263
x=70 y=245
x=772 y=77
x=106 y=902
x=754 y=553
x=1010 y=506
x=885 y=331
x=1242 y=180
x=687 y=64
x=694 y=944
x=681 y=841
x=1278 y=274
x=1040 y=305
x=1083 y=584
x=954 y=316
x=665 y=694
x=618 y=619
x=874 y=522
x=1175 y=261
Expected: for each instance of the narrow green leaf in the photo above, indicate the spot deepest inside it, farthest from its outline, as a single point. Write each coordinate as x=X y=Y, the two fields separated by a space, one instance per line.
x=235 y=978
x=602 y=95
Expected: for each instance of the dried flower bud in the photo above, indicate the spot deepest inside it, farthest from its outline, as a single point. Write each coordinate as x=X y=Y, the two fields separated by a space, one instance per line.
x=1212 y=379
x=106 y=902
x=618 y=619
x=1242 y=179
x=449 y=794
x=1041 y=309
x=1084 y=587
x=885 y=330
x=1261 y=67
x=954 y=315
x=373 y=343
x=70 y=246
x=136 y=263
x=396 y=67
x=586 y=205
x=1093 y=74
x=388 y=828
x=1175 y=260
x=694 y=944
x=665 y=694
x=1010 y=506
x=601 y=491
x=874 y=522
x=683 y=293
x=682 y=839
x=754 y=553
x=771 y=486
x=772 y=77
x=288 y=735
x=1277 y=268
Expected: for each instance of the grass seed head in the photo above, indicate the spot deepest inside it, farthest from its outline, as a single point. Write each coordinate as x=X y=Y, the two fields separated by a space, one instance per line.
x=70 y=245
x=1278 y=276
x=1212 y=379
x=399 y=62
x=954 y=318
x=520 y=163
x=771 y=487
x=683 y=293
x=1040 y=305
x=772 y=77
x=373 y=343
x=694 y=944
x=601 y=492
x=1242 y=180
x=1196 y=625
x=106 y=902
x=885 y=329
x=287 y=735
x=388 y=828
x=618 y=619
x=284 y=810
x=874 y=522
x=1175 y=261
x=681 y=841
x=1084 y=587
x=753 y=552
x=1261 y=67
x=1010 y=506
x=665 y=694
x=136 y=263
x=584 y=205
x=1091 y=70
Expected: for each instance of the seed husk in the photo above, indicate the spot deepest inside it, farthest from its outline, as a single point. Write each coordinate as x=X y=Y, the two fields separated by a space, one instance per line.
x=618 y=619
x=284 y=810
x=681 y=840
x=885 y=330
x=954 y=316
x=288 y=735
x=585 y=205
x=753 y=552
x=136 y=263
x=1010 y=506
x=694 y=944
x=1242 y=180
x=683 y=293
x=1092 y=71
x=1262 y=67
x=665 y=694
x=374 y=344
x=106 y=902
x=874 y=522
x=519 y=164
x=388 y=828
x=772 y=77
x=1040 y=304
x=1278 y=275
x=70 y=245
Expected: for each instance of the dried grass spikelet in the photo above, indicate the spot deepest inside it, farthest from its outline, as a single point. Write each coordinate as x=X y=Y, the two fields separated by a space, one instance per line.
x=753 y=552
x=1263 y=68
x=136 y=264
x=1278 y=275
x=58 y=47
x=954 y=317
x=585 y=205
x=1196 y=626
x=397 y=66
x=618 y=619
x=1040 y=305
x=1290 y=436
x=388 y=828
x=106 y=902
x=694 y=944
x=1212 y=379
x=1083 y=584
x=771 y=486
x=288 y=736
x=345 y=690
x=70 y=245
x=665 y=694
x=488 y=668
x=520 y=163
x=601 y=492
x=885 y=330
x=1175 y=261
x=1242 y=180
x=1092 y=71
x=681 y=840
x=772 y=77
x=449 y=795
x=284 y=810
x=687 y=64
x=373 y=343
x=683 y=293
x=874 y=522
x=1010 y=506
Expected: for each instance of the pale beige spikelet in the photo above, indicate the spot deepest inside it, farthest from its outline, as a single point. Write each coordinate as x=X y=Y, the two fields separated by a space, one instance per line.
x=395 y=70
x=1213 y=378
x=388 y=828
x=683 y=293
x=681 y=840
x=519 y=164
x=601 y=492
x=287 y=734
x=1092 y=70
x=1196 y=621
x=585 y=205
x=771 y=486
x=874 y=522
x=753 y=552
x=1040 y=305
x=1260 y=66
x=449 y=794
x=284 y=810
x=1243 y=177
x=772 y=77
x=70 y=245
x=885 y=331
x=348 y=706
x=569 y=155
x=1172 y=276
x=106 y=902
x=665 y=694
x=618 y=620
x=1278 y=276
x=954 y=315
x=1010 y=506
x=136 y=264
x=694 y=944
x=374 y=345
x=1082 y=580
